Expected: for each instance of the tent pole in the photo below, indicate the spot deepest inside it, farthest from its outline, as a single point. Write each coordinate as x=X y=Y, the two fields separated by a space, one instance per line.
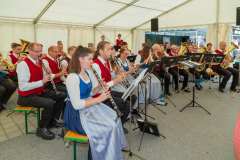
x=35 y=32
x=94 y=36
x=217 y=22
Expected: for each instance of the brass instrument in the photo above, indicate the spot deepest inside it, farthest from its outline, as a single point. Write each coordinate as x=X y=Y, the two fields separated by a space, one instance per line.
x=228 y=59
x=115 y=107
x=7 y=64
x=183 y=49
x=25 y=45
x=202 y=66
x=209 y=70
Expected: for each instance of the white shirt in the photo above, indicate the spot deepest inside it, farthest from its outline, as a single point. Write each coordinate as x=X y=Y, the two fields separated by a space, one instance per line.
x=96 y=67
x=72 y=84
x=23 y=74
x=46 y=64
x=138 y=60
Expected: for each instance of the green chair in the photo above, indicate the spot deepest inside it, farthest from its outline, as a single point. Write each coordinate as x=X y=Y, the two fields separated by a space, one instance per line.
x=27 y=111
x=75 y=138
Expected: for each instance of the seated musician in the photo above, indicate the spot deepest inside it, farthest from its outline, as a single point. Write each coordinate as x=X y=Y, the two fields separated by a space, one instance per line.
x=118 y=42
x=87 y=115
x=175 y=71
x=102 y=67
x=65 y=61
x=31 y=80
x=60 y=49
x=228 y=71
x=14 y=57
x=51 y=62
x=160 y=71
x=191 y=49
x=7 y=87
x=209 y=48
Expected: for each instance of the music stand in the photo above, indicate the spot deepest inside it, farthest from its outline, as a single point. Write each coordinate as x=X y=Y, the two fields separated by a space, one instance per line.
x=193 y=103
x=144 y=125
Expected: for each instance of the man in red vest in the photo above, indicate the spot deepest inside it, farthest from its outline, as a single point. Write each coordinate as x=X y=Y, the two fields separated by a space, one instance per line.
x=13 y=56
x=102 y=67
x=225 y=72
x=31 y=80
x=52 y=64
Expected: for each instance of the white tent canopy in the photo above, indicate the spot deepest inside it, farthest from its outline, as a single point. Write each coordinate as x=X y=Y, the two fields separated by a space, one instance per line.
x=82 y=22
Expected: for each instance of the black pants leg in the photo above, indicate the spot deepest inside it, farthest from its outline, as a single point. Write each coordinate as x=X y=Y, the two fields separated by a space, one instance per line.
x=223 y=72
x=2 y=92
x=166 y=76
x=40 y=101
x=235 y=75
x=184 y=73
x=10 y=88
x=174 y=72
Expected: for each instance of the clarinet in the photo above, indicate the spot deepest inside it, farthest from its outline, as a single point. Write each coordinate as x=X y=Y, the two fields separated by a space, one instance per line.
x=52 y=82
x=115 y=107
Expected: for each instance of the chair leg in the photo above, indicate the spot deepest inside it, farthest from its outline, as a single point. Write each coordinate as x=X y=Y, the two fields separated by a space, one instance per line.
x=74 y=151
x=38 y=117
x=26 y=122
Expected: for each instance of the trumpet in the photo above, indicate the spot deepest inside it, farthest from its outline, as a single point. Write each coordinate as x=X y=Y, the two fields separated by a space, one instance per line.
x=115 y=107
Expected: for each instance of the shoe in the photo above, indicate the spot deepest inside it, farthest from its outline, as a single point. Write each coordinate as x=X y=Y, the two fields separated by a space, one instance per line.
x=221 y=90
x=233 y=90
x=161 y=103
x=198 y=87
x=186 y=89
x=125 y=130
x=135 y=112
x=44 y=133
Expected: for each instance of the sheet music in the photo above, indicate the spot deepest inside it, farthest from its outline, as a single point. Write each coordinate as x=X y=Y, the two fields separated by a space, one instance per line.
x=134 y=84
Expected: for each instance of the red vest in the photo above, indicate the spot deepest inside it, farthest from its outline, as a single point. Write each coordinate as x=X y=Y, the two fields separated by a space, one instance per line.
x=105 y=71
x=218 y=51
x=14 y=60
x=54 y=68
x=36 y=74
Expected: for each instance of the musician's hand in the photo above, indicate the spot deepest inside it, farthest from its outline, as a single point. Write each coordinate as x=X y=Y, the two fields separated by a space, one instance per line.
x=105 y=95
x=46 y=79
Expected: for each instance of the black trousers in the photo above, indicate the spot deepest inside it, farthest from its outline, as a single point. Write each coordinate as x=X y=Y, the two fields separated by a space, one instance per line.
x=7 y=88
x=60 y=86
x=124 y=107
x=174 y=72
x=226 y=73
x=166 y=77
x=51 y=103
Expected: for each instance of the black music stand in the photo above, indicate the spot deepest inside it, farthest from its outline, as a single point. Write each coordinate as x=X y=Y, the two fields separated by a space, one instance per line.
x=193 y=103
x=144 y=125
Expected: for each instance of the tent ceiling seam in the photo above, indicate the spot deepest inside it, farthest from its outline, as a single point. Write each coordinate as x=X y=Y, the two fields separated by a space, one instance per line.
x=44 y=10
x=166 y=12
x=115 y=13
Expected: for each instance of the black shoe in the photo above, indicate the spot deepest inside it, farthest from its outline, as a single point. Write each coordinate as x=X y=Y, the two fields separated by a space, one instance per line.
x=221 y=90
x=125 y=130
x=135 y=113
x=44 y=133
x=198 y=87
x=186 y=89
x=234 y=90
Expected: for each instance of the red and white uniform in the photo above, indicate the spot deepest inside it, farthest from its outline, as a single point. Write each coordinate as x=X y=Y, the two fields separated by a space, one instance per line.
x=30 y=76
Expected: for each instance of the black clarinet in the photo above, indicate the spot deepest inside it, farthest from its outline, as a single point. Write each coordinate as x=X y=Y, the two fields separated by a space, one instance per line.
x=115 y=107
x=52 y=82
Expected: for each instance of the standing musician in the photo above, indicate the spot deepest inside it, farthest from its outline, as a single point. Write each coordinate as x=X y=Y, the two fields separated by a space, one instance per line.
x=14 y=57
x=102 y=67
x=175 y=71
x=87 y=115
x=226 y=72
x=51 y=62
x=60 y=48
x=31 y=80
